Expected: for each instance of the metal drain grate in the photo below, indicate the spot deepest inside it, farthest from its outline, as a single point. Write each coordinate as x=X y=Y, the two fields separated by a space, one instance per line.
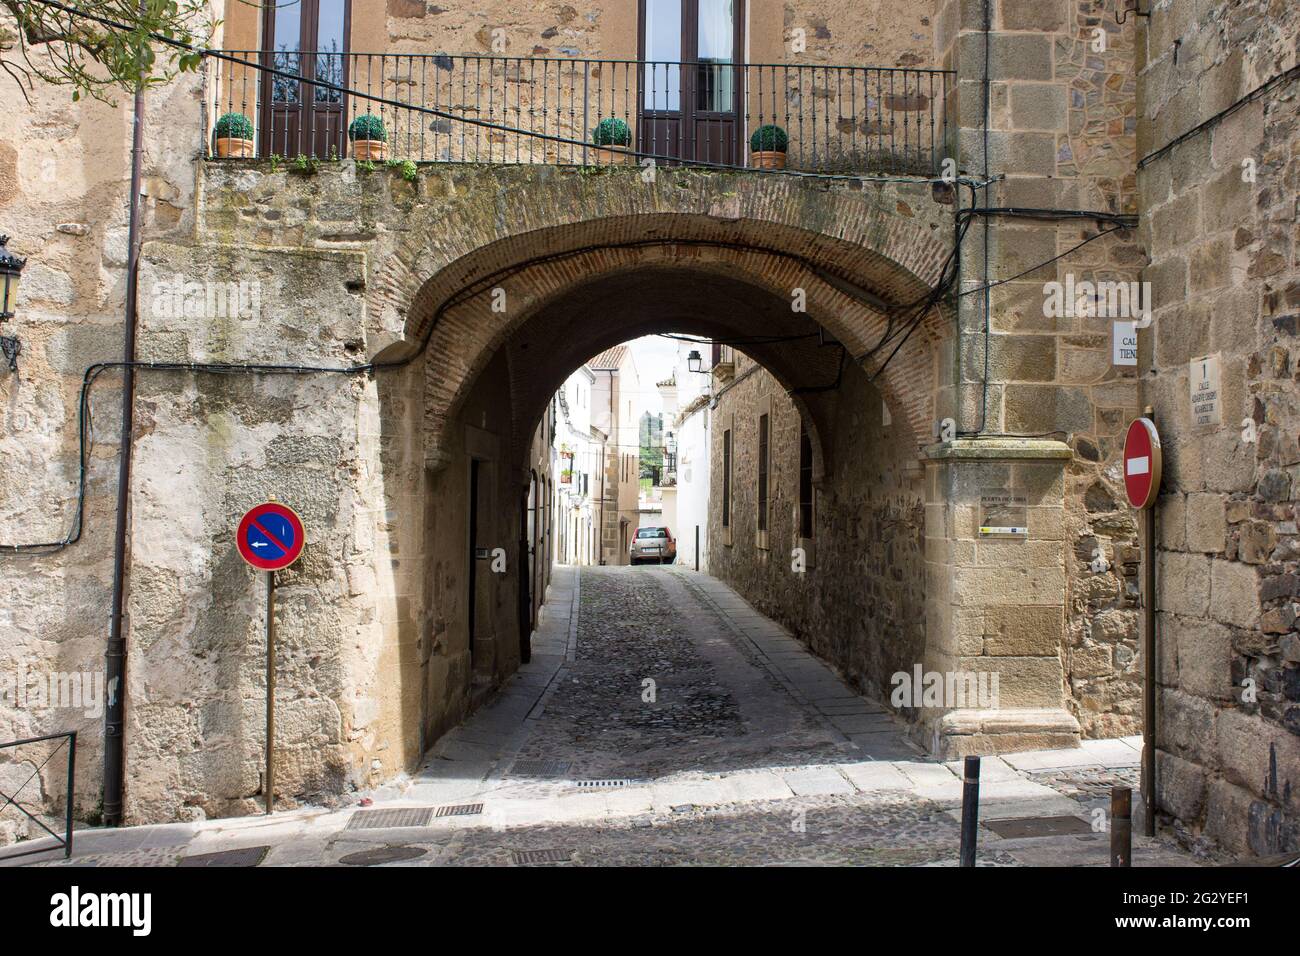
x=540 y=768
x=1021 y=827
x=524 y=857
x=460 y=810
x=383 y=819
x=388 y=854
x=245 y=856
x=603 y=784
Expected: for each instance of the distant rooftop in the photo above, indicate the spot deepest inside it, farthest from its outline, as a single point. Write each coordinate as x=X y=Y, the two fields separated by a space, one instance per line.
x=610 y=358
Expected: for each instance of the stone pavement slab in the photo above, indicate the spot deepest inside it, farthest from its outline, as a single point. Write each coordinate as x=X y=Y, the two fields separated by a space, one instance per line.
x=815 y=781
x=875 y=775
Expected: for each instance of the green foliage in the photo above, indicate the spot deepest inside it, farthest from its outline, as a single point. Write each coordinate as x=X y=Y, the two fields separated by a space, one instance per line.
x=368 y=126
x=611 y=132
x=306 y=165
x=366 y=165
x=406 y=167
x=276 y=159
x=769 y=139
x=65 y=48
x=233 y=126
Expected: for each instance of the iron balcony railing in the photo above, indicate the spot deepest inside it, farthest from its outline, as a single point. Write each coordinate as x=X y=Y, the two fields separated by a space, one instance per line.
x=498 y=109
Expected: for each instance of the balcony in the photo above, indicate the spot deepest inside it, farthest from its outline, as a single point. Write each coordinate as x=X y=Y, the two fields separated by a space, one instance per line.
x=723 y=365
x=839 y=120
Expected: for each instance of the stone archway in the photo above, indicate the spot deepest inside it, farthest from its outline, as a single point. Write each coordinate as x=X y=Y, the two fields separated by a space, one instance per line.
x=355 y=268
x=534 y=293
x=501 y=326
x=859 y=252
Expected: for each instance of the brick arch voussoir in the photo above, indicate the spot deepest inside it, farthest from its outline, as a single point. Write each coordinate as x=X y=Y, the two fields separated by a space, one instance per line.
x=467 y=337
x=881 y=251
x=448 y=245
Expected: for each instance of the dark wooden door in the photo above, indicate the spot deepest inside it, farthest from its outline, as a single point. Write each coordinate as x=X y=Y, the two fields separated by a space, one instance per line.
x=308 y=39
x=690 y=86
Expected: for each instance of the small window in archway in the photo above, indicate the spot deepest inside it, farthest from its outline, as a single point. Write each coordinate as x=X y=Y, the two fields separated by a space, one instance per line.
x=805 y=484
x=726 y=478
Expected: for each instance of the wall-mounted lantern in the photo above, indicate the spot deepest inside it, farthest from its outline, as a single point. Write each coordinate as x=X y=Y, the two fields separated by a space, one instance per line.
x=11 y=268
x=694 y=362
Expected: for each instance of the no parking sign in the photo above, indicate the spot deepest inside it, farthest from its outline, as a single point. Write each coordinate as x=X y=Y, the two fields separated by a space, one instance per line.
x=270 y=537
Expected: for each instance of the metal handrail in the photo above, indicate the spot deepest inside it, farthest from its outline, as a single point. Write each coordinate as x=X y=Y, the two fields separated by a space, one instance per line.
x=12 y=799
x=503 y=109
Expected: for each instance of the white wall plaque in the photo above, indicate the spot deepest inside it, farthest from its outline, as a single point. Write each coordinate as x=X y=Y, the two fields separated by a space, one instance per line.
x=1206 y=389
x=1124 y=344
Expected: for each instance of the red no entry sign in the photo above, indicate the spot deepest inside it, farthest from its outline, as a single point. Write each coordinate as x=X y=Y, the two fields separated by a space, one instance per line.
x=270 y=537
x=1142 y=463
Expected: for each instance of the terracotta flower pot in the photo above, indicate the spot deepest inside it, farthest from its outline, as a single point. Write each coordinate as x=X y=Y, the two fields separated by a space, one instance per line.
x=767 y=159
x=230 y=148
x=609 y=155
x=371 y=149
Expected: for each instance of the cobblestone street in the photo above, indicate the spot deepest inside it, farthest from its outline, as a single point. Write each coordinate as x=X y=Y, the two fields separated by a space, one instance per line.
x=663 y=721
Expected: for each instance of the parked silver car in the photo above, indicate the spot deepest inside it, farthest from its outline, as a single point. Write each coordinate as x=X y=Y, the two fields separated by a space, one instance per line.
x=653 y=544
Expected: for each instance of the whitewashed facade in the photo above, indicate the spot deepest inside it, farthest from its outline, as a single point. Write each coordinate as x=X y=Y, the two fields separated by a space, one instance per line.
x=579 y=476
x=689 y=426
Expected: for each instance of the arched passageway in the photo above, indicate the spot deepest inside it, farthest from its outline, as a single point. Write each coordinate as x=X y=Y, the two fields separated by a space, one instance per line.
x=847 y=577
x=416 y=481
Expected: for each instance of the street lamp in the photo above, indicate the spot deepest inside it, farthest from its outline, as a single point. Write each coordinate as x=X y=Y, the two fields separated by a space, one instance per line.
x=694 y=362
x=11 y=268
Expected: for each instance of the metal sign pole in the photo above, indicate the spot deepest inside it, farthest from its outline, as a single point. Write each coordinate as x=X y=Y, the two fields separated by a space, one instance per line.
x=1143 y=468
x=1149 y=652
x=270 y=691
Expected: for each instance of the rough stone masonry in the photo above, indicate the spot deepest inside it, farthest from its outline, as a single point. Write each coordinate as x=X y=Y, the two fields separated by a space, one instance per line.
x=1185 y=120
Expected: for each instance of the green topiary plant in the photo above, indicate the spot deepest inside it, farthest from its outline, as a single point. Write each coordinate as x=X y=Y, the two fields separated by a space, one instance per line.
x=612 y=132
x=368 y=126
x=769 y=139
x=233 y=126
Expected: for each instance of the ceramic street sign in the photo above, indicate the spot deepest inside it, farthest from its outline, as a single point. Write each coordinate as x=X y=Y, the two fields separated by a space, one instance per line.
x=270 y=537
x=1004 y=514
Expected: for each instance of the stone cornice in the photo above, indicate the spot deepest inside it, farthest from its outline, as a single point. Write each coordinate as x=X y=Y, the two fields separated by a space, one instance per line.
x=999 y=449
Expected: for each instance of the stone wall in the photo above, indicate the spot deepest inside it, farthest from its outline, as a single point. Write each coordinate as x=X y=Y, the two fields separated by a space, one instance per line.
x=1225 y=267
x=375 y=645
x=374 y=650
x=64 y=171
x=860 y=603
x=1061 y=135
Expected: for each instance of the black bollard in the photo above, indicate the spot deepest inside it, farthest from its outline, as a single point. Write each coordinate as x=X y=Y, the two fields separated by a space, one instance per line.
x=970 y=809
x=1121 y=826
